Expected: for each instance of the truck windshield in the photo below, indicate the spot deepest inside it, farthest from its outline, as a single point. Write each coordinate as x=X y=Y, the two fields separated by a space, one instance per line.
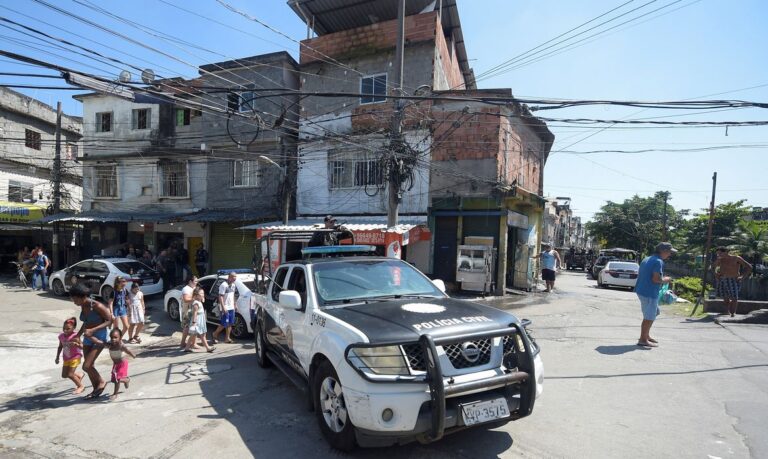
x=348 y=281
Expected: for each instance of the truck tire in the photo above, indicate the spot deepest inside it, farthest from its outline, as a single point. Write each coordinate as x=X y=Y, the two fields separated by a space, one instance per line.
x=261 y=347
x=331 y=408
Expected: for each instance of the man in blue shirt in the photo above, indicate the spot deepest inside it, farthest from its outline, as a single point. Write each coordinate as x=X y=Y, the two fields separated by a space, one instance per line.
x=40 y=271
x=650 y=278
x=550 y=260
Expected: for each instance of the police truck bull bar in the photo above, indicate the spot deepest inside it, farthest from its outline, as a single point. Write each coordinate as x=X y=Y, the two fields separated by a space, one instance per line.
x=439 y=390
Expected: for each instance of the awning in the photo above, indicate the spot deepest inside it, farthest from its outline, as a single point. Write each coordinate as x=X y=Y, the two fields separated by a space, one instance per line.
x=19 y=212
x=356 y=223
x=115 y=217
x=228 y=215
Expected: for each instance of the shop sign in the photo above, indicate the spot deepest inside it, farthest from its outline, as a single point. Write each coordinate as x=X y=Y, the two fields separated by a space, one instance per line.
x=517 y=220
x=17 y=212
x=376 y=237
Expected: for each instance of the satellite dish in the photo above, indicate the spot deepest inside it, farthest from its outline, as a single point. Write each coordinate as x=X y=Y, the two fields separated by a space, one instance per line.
x=125 y=76
x=148 y=76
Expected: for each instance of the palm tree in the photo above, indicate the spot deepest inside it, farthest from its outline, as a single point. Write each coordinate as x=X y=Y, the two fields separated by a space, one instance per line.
x=750 y=240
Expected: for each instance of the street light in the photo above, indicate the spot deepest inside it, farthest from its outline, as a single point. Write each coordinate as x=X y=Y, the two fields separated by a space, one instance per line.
x=270 y=161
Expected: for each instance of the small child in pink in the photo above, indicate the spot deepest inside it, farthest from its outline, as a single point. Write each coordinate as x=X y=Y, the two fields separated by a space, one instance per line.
x=119 y=363
x=71 y=348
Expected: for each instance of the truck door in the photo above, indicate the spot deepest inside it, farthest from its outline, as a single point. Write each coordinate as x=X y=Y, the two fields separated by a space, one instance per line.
x=273 y=331
x=297 y=337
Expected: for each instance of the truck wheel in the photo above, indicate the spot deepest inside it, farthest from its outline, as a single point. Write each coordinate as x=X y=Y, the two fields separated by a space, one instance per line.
x=261 y=348
x=331 y=408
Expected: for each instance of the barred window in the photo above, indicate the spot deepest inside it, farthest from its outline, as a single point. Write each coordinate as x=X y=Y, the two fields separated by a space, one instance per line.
x=104 y=122
x=105 y=181
x=353 y=169
x=245 y=173
x=174 y=179
x=141 y=118
x=32 y=139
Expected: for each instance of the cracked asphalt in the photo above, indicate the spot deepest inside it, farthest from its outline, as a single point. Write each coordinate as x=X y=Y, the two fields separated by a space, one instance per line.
x=702 y=394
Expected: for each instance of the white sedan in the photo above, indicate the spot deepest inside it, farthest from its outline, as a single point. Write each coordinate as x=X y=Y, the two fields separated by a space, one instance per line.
x=98 y=274
x=618 y=274
x=244 y=299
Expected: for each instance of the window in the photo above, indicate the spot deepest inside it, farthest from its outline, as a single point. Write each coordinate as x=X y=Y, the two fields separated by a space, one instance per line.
x=71 y=151
x=183 y=116
x=104 y=122
x=298 y=282
x=32 y=139
x=245 y=173
x=140 y=119
x=352 y=169
x=233 y=101
x=376 y=88
x=20 y=191
x=105 y=181
x=246 y=103
x=173 y=177
x=279 y=281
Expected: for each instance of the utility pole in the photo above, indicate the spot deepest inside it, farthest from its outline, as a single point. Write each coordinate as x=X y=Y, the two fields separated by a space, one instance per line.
x=56 y=172
x=664 y=230
x=396 y=142
x=707 y=246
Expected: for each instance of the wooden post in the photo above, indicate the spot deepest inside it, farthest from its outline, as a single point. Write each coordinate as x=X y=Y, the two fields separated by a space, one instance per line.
x=707 y=246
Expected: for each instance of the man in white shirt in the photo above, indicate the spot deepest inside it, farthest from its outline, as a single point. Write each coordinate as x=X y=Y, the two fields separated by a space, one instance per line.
x=226 y=307
x=186 y=303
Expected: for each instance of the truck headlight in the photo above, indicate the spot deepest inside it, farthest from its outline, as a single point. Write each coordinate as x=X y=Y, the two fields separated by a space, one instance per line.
x=385 y=360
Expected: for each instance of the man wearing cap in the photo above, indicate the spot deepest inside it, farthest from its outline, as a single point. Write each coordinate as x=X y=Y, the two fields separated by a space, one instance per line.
x=730 y=270
x=550 y=260
x=650 y=278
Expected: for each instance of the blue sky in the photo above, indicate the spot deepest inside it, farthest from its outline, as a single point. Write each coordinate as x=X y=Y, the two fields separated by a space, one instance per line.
x=705 y=47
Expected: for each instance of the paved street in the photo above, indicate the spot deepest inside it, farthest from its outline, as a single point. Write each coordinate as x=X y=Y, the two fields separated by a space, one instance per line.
x=702 y=393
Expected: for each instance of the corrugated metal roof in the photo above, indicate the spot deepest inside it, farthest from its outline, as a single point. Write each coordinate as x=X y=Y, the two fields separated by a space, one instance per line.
x=356 y=223
x=203 y=215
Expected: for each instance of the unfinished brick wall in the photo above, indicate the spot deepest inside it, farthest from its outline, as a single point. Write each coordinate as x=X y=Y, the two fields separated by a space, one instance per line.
x=449 y=62
x=348 y=44
x=459 y=135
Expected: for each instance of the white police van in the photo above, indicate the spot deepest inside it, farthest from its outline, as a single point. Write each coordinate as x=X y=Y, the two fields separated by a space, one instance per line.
x=384 y=356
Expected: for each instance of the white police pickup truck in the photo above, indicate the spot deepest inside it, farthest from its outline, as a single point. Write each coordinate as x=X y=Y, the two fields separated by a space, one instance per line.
x=385 y=356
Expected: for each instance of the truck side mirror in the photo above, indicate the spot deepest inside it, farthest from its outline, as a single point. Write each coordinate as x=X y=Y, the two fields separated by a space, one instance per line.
x=290 y=299
x=439 y=284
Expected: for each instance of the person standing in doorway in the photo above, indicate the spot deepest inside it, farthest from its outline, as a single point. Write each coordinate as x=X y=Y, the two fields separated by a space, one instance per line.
x=650 y=278
x=201 y=260
x=226 y=308
x=40 y=271
x=730 y=270
x=550 y=261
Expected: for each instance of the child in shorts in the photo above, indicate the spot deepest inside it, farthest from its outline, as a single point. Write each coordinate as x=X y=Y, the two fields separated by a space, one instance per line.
x=119 y=363
x=70 y=346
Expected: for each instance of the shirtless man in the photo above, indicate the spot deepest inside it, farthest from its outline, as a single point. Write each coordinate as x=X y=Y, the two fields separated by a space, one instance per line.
x=730 y=270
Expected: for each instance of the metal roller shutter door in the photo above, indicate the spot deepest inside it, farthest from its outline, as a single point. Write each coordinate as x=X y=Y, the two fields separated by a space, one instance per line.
x=230 y=247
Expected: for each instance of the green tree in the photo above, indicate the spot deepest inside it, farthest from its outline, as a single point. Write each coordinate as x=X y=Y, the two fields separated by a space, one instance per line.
x=750 y=240
x=726 y=221
x=635 y=224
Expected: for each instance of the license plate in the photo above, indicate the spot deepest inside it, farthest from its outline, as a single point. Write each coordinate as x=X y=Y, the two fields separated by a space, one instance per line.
x=477 y=413
x=624 y=276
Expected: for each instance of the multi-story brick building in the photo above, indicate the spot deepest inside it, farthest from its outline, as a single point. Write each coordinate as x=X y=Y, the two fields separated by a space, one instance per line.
x=27 y=148
x=477 y=169
x=192 y=167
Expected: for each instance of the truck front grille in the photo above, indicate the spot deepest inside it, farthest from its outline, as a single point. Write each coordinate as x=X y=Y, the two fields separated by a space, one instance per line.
x=415 y=356
x=469 y=354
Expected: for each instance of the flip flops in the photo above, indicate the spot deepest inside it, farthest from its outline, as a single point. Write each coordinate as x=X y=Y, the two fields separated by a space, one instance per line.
x=647 y=344
x=211 y=349
x=95 y=394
